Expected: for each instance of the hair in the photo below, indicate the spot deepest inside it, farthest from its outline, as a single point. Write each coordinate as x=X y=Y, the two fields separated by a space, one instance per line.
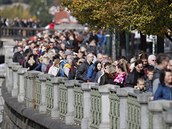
x=120 y=66
x=56 y=62
x=74 y=61
x=138 y=62
x=150 y=68
x=162 y=76
x=150 y=57
x=161 y=57
x=107 y=64
x=95 y=65
x=123 y=65
x=30 y=55
x=143 y=56
x=140 y=79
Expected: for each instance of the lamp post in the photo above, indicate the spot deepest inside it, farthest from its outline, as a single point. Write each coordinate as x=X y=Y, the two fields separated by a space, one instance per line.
x=154 y=40
x=108 y=43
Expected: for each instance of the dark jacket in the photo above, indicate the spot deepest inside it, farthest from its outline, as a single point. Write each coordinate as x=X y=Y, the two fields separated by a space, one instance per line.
x=157 y=72
x=106 y=79
x=163 y=92
x=132 y=77
x=82 y=71
x=18 y=57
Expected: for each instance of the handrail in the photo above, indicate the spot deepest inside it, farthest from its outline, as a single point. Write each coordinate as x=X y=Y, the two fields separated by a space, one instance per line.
x=98 y=103
x=20 y=32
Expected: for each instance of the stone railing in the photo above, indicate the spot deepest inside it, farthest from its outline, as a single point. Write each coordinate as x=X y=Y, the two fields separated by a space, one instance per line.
x=19 y=32
x=79 y=105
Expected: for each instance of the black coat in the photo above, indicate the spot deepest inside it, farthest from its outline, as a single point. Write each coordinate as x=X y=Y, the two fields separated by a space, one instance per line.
x=106 y=79
x=18 y=57
x=132 y=77
x=82 y=71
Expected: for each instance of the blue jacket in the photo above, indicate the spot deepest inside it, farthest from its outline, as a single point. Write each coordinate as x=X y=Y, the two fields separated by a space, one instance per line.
x=163 y=92
x=90 y=72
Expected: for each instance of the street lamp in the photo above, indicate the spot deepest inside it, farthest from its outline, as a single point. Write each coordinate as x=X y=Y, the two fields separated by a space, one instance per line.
x=154 y=40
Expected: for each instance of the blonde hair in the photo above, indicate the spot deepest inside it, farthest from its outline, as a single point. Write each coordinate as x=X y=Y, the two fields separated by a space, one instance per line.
x=140 y=80
x=124 y=64
x=56 y=62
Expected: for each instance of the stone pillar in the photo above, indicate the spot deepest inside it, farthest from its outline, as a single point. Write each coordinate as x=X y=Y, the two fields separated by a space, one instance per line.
x=10 y=78
x=21 y=90
x=55 y=113
x=143 y=100
x=30 y=88
x=69 y=119
x=167 y=115
x=156 y=107
x=105 y=104
x=86 y=121
x=7 y=74
x=15 y=79
x=43 y=105
x=123 y=94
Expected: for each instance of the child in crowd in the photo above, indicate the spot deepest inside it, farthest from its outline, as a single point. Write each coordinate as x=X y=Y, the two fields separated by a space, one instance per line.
x=149 y=79
x=140 y=85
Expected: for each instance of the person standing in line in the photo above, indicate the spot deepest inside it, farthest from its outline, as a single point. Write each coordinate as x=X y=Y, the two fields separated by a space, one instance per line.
x=164 y=90
x=83 y=68
x=162 y=62
x=169 y=66
x=152 y=60
x=106 y=78
x=18 y=56
x=137 y=72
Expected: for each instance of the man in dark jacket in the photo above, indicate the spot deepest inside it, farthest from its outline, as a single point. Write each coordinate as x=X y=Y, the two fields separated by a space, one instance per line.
x=83 y=68
x=18 y=56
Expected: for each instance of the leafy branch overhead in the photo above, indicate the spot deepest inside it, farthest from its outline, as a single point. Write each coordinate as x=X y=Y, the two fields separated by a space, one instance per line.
x=148 y=16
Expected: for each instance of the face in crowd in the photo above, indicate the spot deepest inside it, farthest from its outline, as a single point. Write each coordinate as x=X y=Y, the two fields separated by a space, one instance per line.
x=139 y=66
x=169 y=66
x=90 y=58
x=168 y=77
x=152 y=60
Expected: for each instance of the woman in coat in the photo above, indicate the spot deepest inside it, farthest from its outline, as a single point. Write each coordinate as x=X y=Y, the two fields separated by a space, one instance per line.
x=106 y=78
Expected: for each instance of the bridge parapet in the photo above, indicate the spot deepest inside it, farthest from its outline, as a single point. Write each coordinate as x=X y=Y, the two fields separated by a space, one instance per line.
x=81 y=105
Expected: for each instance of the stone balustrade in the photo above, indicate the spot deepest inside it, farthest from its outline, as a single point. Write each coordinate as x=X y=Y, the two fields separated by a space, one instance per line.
x=83 y=105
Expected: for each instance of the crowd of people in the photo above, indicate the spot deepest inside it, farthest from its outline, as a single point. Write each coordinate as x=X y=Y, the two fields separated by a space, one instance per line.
x=67 y=54
x=17 y=22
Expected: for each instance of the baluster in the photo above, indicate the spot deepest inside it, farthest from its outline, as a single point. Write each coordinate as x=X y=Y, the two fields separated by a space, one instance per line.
x=167 y=115
x=69 y=118
x=156 y=107
x=42 y=106
x=55 y=111
x=123 y=95
x=30 y=88
x=15 y=79
x=86 y=121
x=9 y=88
x=143 y=100
x=7 y=75
x=105 y=106
x=21 y=90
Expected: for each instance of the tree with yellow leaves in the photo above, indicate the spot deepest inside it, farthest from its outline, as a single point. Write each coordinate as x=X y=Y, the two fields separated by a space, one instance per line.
x=147 y=16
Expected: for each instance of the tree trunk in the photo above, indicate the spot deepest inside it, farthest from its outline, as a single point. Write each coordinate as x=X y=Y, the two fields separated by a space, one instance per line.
x=143 y=44
x=160 y=44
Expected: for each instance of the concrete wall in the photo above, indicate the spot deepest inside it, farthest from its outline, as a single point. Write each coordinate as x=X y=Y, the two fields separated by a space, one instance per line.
x=100 y=107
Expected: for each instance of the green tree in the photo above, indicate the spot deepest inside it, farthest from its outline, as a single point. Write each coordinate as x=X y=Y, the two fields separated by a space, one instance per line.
x=148 y=16
x=40 y=9
x=18 y=11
